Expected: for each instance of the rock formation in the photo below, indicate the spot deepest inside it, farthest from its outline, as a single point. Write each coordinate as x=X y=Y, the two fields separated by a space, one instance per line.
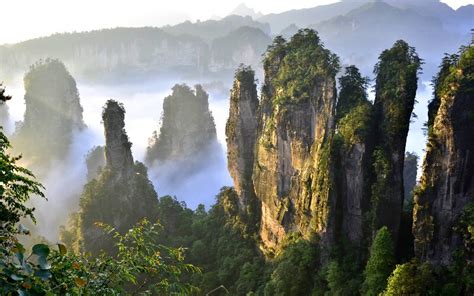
x=53 y=113
x=447 y=184
x=241 y=132
x=393 y=107
x=187 y=130
x=353 y=148
x=95 y=162
x=318 y=164
x=122 y=194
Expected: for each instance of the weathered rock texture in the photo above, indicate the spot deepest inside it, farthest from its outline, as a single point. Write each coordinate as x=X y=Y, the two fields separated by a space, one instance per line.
x=395 y=92
x=353 y=147
x=316 y=163
x=447 y=183
x=121 y=195
x=53 y=113
x=187 y=128
x=241 y=132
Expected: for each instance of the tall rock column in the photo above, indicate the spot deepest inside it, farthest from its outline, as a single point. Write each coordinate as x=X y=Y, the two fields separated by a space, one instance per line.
x=121 y=195
x=118 y=154
x=354 y=147
x=296 y=122
x=395 y=92
x=53 y=114
x=447 y=183
x=241 y=132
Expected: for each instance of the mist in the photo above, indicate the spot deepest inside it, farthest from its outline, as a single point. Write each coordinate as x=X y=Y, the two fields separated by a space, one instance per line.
x=143 y=104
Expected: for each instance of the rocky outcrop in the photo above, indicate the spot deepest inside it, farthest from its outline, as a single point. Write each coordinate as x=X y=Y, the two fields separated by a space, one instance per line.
x=53 y=114
x=187 y=128
x=118 y=153
x=296 y=123
x=393 y=108
x=95 y=162
x=353 y=145
x=447 y=183
x=321 y=167
x=121 y=195
x=241 y=132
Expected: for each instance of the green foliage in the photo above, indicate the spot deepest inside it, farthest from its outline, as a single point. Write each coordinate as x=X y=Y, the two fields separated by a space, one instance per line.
x=353 y=91
x=355 y=126
x=142 y=266
x=17 y=184
x=224 y=246
x=106 y=193
x=294 y=268
x=466 y=227
x=380 y=263
x=411 y=278
x=303 y=62
x=396 y=86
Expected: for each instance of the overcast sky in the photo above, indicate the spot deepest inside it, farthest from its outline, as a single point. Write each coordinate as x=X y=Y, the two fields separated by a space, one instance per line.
x=25 y=19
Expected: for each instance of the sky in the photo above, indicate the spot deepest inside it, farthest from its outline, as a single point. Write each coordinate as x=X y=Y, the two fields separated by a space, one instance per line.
x=26 y=19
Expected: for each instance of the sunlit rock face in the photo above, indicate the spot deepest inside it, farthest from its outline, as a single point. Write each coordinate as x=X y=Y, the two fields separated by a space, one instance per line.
x=316 y=163
x=290 y=142
x=187 y=134
x=447 y=183
x=121 y=195
x=53 y=114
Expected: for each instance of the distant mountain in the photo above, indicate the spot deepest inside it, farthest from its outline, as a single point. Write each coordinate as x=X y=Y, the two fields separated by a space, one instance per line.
x=360 y=35
x=244 y=45
x=208 y=30
x=131 y=53
x=307 y=16
x=460 y=20
x=244 y=10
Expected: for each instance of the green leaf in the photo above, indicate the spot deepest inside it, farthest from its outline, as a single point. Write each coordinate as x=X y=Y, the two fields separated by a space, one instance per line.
x=41 y=250
x=43 y=263
x=43 y=274
x=16 y=277
x=22 y=292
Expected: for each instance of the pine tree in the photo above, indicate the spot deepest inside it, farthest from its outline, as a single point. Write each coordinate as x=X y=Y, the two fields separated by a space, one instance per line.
x=380 y=264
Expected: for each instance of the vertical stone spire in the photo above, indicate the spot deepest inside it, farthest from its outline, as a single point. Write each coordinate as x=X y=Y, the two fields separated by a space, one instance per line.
x=118 y=154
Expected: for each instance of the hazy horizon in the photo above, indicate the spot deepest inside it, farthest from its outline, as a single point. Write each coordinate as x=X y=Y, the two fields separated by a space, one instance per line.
x=55 y=16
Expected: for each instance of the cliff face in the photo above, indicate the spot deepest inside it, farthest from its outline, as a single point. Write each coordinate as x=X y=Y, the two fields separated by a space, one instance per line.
x=187 y=128
x=95 y=162
x=447 y=183
x=241 y=132
x=317 y=166
x=353 y=147
x=53 y=113
x=121 y=195
x=296 y=123
x=395 y=92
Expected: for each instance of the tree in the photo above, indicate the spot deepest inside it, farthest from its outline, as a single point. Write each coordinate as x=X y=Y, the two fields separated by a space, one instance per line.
x=380 y=263
x=410 y=278
x=17 y=184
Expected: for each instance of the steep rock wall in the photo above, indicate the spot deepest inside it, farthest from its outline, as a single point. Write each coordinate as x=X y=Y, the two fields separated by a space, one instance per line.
x=447 y=183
